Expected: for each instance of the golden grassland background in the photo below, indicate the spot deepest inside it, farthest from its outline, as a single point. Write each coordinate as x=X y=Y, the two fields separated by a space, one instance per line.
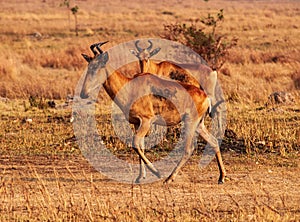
x=43 y=175
x=40 y=54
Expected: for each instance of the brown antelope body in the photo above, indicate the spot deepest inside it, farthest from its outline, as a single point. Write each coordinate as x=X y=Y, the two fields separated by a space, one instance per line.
x=154 y=106
x=201 y=74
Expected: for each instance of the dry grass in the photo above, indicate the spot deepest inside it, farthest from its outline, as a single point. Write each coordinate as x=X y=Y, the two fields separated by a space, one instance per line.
x=39 y=188
x=266 y=129
x=43 y=175
x=36 y=41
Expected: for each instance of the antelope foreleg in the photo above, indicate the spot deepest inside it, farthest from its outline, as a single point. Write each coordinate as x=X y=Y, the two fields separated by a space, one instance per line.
x=142 y=173
x=143 y=158
x=188 y=150
x=138 y=144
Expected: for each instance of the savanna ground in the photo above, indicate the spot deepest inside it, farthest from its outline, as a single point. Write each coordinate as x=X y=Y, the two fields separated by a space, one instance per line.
x=43 y=173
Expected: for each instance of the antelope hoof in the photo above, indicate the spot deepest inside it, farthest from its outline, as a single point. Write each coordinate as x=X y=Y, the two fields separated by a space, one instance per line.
x=222 y=180
x=158 y=175
x=169 y=180
x=137 y=180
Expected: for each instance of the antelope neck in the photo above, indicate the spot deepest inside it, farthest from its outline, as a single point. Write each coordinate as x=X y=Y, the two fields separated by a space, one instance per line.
x=144 y=64
x=113 y=84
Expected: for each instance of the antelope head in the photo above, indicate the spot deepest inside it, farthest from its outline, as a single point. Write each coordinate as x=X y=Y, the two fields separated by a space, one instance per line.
x=92 y=47
x=93 y=79
x=144 y=54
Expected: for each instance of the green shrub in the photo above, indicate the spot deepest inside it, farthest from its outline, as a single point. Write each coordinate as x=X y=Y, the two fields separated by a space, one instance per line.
x=210 y=45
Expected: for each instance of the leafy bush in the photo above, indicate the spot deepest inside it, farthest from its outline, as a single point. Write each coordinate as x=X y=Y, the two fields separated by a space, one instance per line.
x=213 y=47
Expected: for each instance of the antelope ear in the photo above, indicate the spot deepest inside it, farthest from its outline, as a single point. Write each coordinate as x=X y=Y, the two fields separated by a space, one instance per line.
x=154 y=52
x=134 y=52
x=86 y=57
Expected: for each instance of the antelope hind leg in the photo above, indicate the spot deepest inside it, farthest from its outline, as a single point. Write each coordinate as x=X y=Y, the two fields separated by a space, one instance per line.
x=214 y=143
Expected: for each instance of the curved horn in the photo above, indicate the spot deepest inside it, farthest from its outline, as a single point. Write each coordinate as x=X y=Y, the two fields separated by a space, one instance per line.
x=102 y=43
x=97 y=45
x=92 y=47
x=150 y=46
x=137 y=45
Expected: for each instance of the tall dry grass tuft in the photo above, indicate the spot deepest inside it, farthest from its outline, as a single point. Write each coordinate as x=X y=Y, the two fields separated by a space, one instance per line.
x=50 y=74
x=296 y=79
x=69 y=59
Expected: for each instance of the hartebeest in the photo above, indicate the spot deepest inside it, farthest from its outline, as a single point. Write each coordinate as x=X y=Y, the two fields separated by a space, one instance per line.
x=164 y=68
x=181 y=72
x=144 y=103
